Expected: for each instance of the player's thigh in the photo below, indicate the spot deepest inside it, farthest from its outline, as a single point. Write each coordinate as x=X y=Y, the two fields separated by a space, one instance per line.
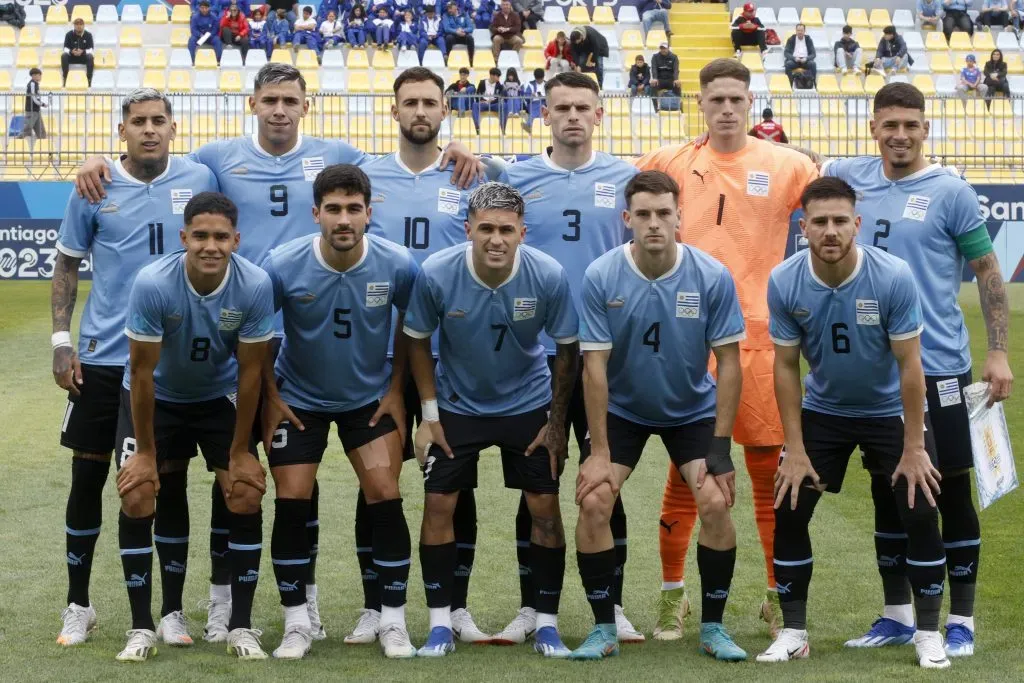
x=90 y=419
x=529 y=473
x=169 y=434
x=829 y=441
x=411 y=398
x=689 y=442
x=466 y=436
x=212 y=425
x=375 y=452
x=881 y=443
x=626 y=441
x=295 y=454
x=950 y=423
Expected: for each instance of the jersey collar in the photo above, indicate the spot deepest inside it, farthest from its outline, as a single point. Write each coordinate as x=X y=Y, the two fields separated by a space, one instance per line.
x=128 y=177
x=265 y=153
x=511 y=276
x=664 y=276
x=848 y=280
x=220 y=287
x=328 y=267
x=910 y=178
x=546 y=156
x=433 y=167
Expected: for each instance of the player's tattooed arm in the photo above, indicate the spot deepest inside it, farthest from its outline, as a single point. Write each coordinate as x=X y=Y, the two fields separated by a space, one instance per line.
x=995 y=309
x=67 y=372
x=563 y=378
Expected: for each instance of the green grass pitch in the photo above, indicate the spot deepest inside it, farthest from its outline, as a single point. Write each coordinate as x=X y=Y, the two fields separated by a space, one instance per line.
x=845 y=593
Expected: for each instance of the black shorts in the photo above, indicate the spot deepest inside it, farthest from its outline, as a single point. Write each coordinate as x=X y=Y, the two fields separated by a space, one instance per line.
x=293 y=447
x=179 y=427
x=684 y=443
x=468 y=435
x=90 y=420
x=576 y=414
x=829 y=441
x=950 y=421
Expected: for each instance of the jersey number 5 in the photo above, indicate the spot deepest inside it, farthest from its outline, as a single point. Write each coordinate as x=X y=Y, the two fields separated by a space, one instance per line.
x=345 y=326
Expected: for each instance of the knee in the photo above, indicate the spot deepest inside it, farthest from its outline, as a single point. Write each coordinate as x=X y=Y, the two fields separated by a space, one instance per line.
x=712 y=508
x=596 y=507
x=243 y=499
x=140 y=501
x=380 y=487
x=438 y=509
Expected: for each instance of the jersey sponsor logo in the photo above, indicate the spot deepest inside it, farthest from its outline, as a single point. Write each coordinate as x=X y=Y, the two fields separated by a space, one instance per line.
x=757 y=184
x=800 y=313
x=949 y=392
x=241 y=170
x=536 y=194
x=378 y=198
x=617 y=302
x=377 y=294
x=110 y=208
x=687 y=304
x=311 y=167
x=867 y=312
x=917 y=207
x=179 y=198
x=523 y=308
x=448 y=201
x=307 y=298
x=457 y=313
x=230 y=320
x=604 y=195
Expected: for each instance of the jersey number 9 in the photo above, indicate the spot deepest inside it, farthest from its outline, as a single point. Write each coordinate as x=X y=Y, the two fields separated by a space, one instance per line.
x=279 y=195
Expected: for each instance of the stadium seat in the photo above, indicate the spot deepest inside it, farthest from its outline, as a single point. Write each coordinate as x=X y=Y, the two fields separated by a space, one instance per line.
x=852 y=85
x=31 y=36
x=935 y=41
x=106 y=14
x=33 y=15
x=457 y=59
x=127 y=79
x=880 y=18
x=51 y=58
x=27 y=58
x=83 y=12
x=903 y=19
x=1007 y=42
x=603 y=16
x=180 y=59
x=579 y=14
x=357 y=59
x=205 y=81
x=231 y=81
x=57 y=15
x=983 y=43
x=131 y=36
x=532 y=39
x=631 y=39
x=913 y=40
x=484 y=61
x=534 y=59
x=180 y=35
x=612 y=37
x=509 y=59
x=627 y=15
x=959 y=40
x=205 y=60
x=255 y=60
x=51 y=81
x=155 y=58
x=811 y=16
x=1014 y=66
x=282 y=55
x=409 y=58
x=945 y=85
x=432 y=59
x=54 y=35
x=333 y=59
x=7 y=36
x=131 y=59
x=941 y=64
x=554 y=15
x=105 y=36
x=180 y=80
x=131 y=14
x=382 y=59
x=834 y=16
x=231 y=59
x=922 y=64
x=873 y=83
x=752 y=60
x=778 y=84
x=788 y=16
x=383 y=80
x=828 y=84
x=654 y=38
x=103 y=80
x=358 y=81
x=766 y=15
x=155 y=80
x=181 y=14
x=305 y=59
x=758 y=84
x=157 y=14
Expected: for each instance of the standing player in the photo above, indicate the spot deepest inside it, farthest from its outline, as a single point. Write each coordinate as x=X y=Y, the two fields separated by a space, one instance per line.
x=190 y=315
x=574 y=203
x=856 y=315
x=737 y=193
x=490 y=300
x=336 y=291
x=124 y=232
x=932 y=220
x=652 y=310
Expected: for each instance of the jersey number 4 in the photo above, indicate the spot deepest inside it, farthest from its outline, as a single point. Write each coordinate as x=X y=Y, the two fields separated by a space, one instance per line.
x=652 y=337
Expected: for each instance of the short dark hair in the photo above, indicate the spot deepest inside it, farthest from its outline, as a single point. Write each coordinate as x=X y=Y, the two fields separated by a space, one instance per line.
x=213 y=203
x=35 y=70
x=848 y=29
x=275 y=73
x=140 y=95
x=572 y=79
x=724 y=68
x=418 y=74
x=767 y=113
x=889 y=30
x=464 y=70
x=495 y=71
x=827 y=187
x=653 y=182
x=345 y=177
x=902 y=95
x=538 y=74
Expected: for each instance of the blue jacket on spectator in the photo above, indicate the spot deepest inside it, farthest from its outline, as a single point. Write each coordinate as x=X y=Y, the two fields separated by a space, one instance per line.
x=450 y=24
x=648 y=5
x=200 y=24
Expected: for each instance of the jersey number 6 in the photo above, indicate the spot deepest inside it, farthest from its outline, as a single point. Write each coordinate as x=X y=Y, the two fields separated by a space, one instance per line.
x=840 y=342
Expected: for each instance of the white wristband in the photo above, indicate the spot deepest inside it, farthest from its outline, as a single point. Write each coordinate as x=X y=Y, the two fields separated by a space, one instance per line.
x=428 y=411
x=58 y=339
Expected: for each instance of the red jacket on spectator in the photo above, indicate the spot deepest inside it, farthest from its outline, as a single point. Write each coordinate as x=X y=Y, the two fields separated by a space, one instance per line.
x=239 y=26
x=770 y=131
x=551 y=52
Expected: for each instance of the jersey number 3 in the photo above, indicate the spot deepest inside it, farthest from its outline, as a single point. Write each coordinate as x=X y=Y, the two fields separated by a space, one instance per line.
x=574 y=217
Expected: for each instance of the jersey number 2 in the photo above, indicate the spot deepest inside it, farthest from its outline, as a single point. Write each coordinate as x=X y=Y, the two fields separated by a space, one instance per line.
x=881 y=234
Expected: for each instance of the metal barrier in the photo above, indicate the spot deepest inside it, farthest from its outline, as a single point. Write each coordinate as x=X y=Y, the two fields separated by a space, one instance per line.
x=972 y=133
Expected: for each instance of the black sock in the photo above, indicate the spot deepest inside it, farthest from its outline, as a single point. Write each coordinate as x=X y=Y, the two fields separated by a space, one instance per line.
x=597 y=572
x=890 y=543
x=364 y=554
x=437 y=562
x=220 y=523
x=926 y=561
x=464 y=524
x=794 y=563
x=135 y=536
x=246 y=547
x=716 y=568
x=170 y=534
x=288 y=550
x=547 y=566
x=313 y=533
x=391 y=550
x=618 y=524
x=524 y=525
x=82 y=521
x=961 y=536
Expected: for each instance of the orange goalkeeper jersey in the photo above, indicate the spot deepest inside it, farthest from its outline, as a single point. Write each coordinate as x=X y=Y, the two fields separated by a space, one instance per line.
x=737 y=207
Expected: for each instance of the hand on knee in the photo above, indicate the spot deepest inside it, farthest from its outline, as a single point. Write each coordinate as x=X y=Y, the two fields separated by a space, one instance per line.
x=140 y=501
x=596 y=507
x=243 y=499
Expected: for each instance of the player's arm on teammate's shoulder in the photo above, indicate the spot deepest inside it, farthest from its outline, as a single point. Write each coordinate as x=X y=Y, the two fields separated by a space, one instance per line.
x=915 y=464
x=468 y=168
x=91 y=177
x=995 y=308
x=67 y=372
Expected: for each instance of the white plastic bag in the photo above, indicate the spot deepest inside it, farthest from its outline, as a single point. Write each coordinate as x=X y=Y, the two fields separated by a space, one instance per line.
x=994 y=467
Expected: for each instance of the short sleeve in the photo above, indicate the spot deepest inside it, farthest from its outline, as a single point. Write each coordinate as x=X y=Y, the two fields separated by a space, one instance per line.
x=562 y=324
x=782 y=326
x=905 y=320
x=78 y=228
x=258 y=325
x=212 y=185
x=347 y=154
x=804 y=173
x=965 y=212
x=725 y=319
x=837 y=168
x=422 y=316
x=595 y=333
x=276 y=284
x=207 y=155
x=405 y=279
x=145 y=322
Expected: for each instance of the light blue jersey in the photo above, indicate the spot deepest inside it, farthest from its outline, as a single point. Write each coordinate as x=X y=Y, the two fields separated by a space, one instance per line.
x=491 y=360
x=918 y=219
x=135 y=224
x=198 y=333
x=846 y=332
x=573 y=216
x=337 y=325
x=660 y=333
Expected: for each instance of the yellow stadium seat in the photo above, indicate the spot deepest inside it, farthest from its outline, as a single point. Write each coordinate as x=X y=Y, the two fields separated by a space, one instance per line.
x=231 y=81
x=30 y=37
x=858 y=18
x=1002 y=108
x=880 y=18
x=534 y=59
x=335 y=127
x=5 y=84
x=959 y=40
x=382 y=59
x=603 y=16
x=26 y=58
x=531 y=39
x=852 y=85
x=180 y=34
x=873 y=83
x=867 y=39
x=57 y=15
x=105 y=58
x=655 y=37
x=51 y=80
x=51 y=58
x=752 y=60
x=360 y=126
x=983 y=43
x=383 y=81
x=1014 y=63
x=631 y=40
x=382 y=105
x=206 y=59
x=811 y=16
x=181 y=14
x=458 y=59
x=828 y=84
x=83 y=12
x=157 y=14
x=7 y=37
x=924 y=83
x=306 y=59
x=283 y=55
x=131 y=36
x=357 y=59
x=77 y=82
x=935 y=41
x=778 y=84
x=358 y=81
x=484 y=61
x=620 y=126
x=154 y=79
x=312 y=77
x=941 y=64
x=154 y=58
x=180 y=80
x=578 y=14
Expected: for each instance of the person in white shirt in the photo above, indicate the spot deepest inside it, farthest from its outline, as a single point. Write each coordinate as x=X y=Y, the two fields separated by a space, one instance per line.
x=382 y=28
x=332 y=31
x=799 y=54
x=305 y=30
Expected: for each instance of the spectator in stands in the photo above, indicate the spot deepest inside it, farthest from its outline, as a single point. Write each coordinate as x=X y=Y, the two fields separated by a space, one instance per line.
x=205 y=30
x=399 y=8
x=639 y=78
x=653 y=11
x=768 y=129
x=559 y=55
x=382 y=24
x=929 y=13
x=460 y=94
x=955 y=17
x=481 y=12
x=355 y=27
x=589 y=50
x=32 y=125
x=665 y=70
x=290 y=11
x=259 y=32
x=747 y=29
x=328 y=6
x=332 y=31
x=458 y=30
x=234 y=30
x=994 y=13
x=1017 y=15
x=506 y=30
x=848 y=51
x=280 y=28
x=491 y=95
x=78 y=48
x=408 y=33
x=513 y=92
x=891 y=54
x=995 y=75
x=799 y=55
x=534 y=92
x=530 y=11
x=971 y=80
x=431 y=34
